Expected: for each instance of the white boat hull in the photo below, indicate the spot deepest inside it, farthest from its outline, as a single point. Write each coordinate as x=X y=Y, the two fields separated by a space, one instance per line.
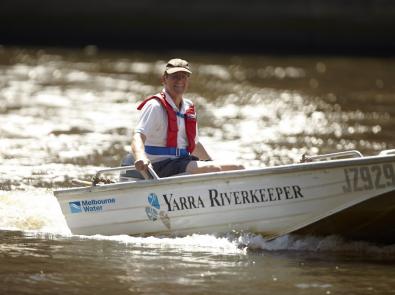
x=271 y=201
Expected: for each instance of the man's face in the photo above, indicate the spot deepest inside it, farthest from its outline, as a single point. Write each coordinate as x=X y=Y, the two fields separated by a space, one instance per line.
x=177 y=83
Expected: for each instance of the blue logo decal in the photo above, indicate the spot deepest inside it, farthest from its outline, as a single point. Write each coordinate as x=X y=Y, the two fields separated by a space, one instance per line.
x=153 y=200
x=152 y=211
x=75 y=207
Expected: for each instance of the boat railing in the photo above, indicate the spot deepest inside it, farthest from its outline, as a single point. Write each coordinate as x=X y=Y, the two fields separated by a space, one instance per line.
x=331 y=156
x=151 y=174
x=387 y=152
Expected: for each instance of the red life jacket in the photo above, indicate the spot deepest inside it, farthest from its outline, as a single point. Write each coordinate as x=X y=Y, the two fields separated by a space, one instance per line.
x=172 y=127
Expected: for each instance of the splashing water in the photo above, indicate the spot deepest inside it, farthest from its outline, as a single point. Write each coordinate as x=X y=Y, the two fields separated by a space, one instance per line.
x=34 y=210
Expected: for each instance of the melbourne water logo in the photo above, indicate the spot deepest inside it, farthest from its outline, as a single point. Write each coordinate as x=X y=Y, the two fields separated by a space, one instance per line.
x=75 y=207
x=90 y=206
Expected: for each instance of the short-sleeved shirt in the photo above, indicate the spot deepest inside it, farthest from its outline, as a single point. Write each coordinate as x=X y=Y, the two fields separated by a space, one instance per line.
x=153 y=124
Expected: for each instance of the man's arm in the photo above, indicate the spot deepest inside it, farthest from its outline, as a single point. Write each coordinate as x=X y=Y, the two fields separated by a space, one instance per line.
x=141 y=161
x=201 y=153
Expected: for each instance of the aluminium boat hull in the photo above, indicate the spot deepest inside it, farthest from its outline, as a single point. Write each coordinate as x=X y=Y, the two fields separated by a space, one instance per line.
x=271 y=201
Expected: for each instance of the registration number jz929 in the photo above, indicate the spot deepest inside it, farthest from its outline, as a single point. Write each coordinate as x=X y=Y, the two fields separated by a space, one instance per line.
x=369 y=177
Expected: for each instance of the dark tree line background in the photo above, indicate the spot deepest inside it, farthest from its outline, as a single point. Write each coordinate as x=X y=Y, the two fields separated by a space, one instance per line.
x=354 y=27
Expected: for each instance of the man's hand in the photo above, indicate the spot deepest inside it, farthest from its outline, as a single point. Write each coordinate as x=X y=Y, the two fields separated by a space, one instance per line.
x=142 y=164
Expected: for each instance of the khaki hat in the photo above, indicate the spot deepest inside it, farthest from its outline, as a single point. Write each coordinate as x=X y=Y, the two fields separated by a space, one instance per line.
x=177 y=65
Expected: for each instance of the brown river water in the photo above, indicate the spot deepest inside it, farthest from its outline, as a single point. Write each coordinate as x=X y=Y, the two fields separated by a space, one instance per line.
x=66 y=113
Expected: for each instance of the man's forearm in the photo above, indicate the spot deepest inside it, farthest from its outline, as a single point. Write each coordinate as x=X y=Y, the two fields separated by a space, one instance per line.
x=138 y=146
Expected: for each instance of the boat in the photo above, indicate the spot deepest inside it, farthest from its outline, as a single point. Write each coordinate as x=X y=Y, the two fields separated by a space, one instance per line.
x=342 y=193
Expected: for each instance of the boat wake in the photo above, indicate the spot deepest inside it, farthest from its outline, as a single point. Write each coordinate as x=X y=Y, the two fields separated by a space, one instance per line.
x=38 y=212
x=248 y=242
x=193 y=243
x=335 y=244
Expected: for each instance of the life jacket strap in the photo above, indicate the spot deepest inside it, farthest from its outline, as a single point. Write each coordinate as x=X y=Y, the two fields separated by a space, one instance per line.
x=169 y=151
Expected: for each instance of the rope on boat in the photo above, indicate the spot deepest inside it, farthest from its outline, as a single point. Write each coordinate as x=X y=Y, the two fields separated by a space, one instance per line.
x=97 y=179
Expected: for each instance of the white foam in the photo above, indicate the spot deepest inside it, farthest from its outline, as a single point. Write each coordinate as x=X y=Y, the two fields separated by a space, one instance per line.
x=191 y=243
x=31 y=210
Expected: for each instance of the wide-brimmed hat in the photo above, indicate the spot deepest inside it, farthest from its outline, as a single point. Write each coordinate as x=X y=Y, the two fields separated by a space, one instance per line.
x=177 y=65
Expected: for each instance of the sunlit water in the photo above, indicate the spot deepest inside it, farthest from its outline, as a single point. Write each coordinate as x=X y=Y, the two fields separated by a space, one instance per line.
x=65 y=114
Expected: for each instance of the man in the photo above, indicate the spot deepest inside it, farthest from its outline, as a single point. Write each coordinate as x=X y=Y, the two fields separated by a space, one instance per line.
x=166 y=134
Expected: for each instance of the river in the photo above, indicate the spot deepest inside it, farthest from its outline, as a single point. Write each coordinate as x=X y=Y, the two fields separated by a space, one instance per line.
x=65 y=113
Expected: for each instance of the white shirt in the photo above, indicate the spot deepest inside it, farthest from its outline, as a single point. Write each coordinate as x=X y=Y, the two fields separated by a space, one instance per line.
x=153 y=124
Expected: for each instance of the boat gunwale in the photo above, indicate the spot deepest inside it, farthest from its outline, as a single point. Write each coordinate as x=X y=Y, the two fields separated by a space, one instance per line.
x=288 y=168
